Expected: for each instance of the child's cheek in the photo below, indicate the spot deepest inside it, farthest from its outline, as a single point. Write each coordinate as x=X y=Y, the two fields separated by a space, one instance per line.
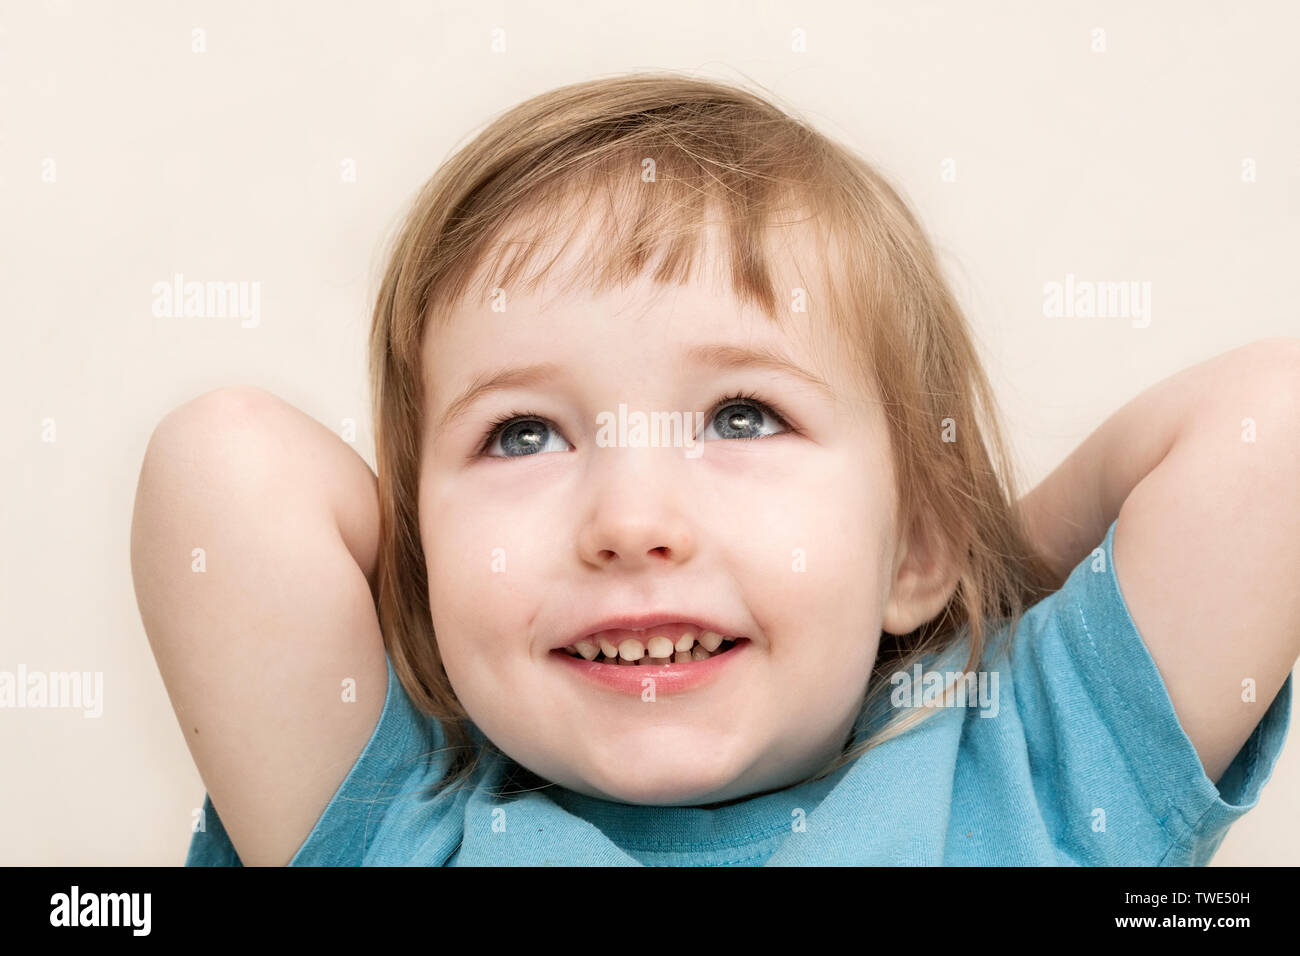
x=492 y=552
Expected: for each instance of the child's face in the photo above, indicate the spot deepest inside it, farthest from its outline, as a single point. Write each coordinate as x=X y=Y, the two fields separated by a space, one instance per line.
x=787 y=540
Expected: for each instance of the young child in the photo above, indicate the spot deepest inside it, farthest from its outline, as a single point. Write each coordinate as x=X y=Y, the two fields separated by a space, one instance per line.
x=694 y=541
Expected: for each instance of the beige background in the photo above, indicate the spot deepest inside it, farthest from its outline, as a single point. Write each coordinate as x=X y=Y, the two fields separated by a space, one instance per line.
x=226 y=164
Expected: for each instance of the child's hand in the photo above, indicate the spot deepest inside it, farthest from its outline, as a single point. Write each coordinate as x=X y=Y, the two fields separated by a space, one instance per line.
x=253 y=550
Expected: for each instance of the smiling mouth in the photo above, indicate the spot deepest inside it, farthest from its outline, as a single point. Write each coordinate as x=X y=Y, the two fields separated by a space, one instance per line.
x=634 y=654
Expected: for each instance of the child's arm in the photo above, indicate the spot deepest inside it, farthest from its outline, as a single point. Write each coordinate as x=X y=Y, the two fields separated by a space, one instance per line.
x=255 y=635
x=1202 y=472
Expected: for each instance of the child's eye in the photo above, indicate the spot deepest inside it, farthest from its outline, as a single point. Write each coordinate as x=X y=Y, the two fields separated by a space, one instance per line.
x=523 y=432
x=519 y=434
x=742 y=416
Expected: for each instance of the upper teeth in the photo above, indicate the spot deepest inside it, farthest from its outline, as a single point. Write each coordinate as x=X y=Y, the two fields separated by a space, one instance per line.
x=661 y=648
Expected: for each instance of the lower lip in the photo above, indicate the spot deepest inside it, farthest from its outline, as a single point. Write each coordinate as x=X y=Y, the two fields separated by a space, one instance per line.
x=668 y=678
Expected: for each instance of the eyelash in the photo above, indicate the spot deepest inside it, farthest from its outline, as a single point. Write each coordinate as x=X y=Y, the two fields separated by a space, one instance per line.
x=495 y=428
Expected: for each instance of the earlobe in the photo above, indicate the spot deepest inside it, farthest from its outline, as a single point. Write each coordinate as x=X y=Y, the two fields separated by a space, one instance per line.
x=925 y=578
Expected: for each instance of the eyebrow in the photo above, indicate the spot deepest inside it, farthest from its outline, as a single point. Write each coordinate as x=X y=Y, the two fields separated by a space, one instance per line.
x=717 y=357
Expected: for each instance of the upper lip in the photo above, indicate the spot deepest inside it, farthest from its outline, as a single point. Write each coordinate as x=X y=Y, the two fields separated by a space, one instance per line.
x=640 y=622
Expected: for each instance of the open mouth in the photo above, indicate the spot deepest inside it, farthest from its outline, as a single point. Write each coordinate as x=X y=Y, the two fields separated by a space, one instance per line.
x=661 y=650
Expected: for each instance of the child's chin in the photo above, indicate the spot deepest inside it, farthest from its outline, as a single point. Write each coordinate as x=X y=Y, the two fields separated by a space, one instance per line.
x=666 y=781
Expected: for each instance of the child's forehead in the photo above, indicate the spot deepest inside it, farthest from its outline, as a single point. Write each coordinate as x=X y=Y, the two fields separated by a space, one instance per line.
x=643 y=316
x=588 y=241
x=780 y=276
x=665 y=338
x=580 y=288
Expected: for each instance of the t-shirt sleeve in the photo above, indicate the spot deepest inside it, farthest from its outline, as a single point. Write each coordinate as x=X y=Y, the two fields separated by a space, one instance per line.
x=1103 y=735
x=405 y=748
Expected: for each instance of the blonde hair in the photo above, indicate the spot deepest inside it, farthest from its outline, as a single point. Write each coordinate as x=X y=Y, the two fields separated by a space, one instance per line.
x=707 y=145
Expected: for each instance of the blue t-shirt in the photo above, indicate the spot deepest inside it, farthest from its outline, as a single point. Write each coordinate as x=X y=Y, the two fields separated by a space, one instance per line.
x=1076 y=758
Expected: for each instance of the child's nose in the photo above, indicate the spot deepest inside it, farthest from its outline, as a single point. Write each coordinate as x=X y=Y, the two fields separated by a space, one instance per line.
x=637 y=515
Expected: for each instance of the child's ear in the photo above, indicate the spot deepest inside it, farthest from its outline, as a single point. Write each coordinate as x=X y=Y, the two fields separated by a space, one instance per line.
x=925 y=577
